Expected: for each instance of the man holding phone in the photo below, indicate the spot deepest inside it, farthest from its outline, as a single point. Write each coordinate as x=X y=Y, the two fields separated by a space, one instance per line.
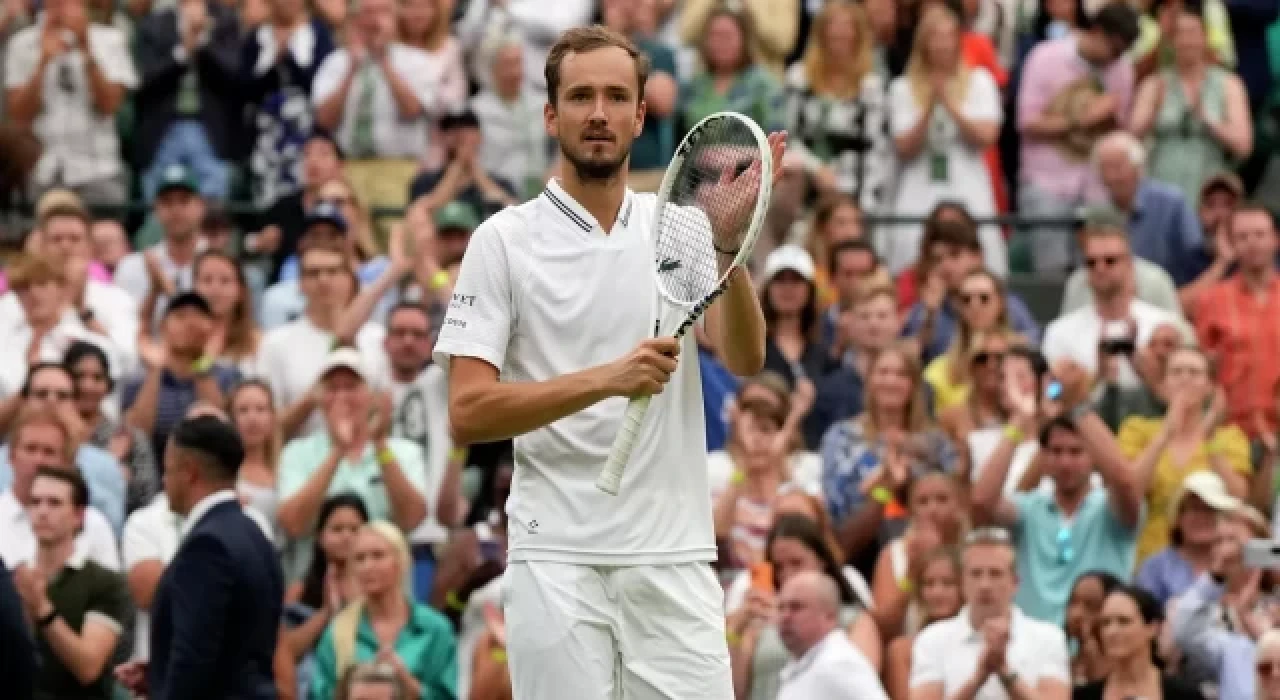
x=1225 y=655
x=1116 y=323
x=1072 y=528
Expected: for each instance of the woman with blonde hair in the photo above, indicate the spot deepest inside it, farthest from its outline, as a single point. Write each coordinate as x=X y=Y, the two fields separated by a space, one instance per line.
x=386 y=626
x=867 y=460
x=983 y=321
x=836 y=108
x=943 y=116
x=424 y=25
x=251 y=407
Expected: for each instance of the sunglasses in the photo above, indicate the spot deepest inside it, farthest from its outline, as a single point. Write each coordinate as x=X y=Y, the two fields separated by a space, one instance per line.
x=1103 y=261
x=1066 y=552
x=1268 y=668
x=983 y=357
x=997 y=535
x=983 y=298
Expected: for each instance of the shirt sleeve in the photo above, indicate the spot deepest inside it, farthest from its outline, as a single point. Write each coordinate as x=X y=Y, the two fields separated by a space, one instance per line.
x=329 y=76
x=903 y=113
x=109 y=603
x=1231 y=445
x=295 y=467
x=101 y=540
x=436 y=668
x=111 y=52
x=141 y=541
x=1054 y=658
x=20 y=59
x=1134 y=435
x=926 y=658
x=412 y=462
x=482 y=311
x=1034 y=90
x=983 y=98
x=131 y=276
x=324 y=678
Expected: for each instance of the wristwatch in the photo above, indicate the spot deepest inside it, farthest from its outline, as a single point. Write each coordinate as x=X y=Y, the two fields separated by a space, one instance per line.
x=48 y=618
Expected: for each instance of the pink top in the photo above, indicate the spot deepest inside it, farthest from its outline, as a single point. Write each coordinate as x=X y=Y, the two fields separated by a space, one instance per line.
x=1052 y=67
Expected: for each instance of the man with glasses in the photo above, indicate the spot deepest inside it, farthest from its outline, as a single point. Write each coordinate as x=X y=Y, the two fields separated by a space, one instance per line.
x=991 y=650
x=420 y=414
x=1116 y=323
x=1152 y=284
x=292 y=355
x=1067 y=527
x=40 y=440
x=51 y=388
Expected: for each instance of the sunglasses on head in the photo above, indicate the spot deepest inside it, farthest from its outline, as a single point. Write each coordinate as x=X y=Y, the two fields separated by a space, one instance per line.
x=983 y=298
x=996 y=535
x=1103 y=261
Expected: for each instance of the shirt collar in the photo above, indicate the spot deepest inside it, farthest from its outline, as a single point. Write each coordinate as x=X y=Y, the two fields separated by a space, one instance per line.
x=795 y=667
x=575 y=214
x=975 y=635
x=205 y=505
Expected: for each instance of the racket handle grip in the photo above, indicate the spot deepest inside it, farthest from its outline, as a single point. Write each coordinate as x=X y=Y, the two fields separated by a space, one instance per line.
x=611 y=477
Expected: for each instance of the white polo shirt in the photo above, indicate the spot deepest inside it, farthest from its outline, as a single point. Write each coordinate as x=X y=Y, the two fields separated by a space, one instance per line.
x=832 y=670
x=947 y=652
x=544 y=292
x=18 y=543
x=1075 y=336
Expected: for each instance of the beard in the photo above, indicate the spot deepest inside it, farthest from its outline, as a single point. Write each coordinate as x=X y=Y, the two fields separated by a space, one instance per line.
x=593 y=170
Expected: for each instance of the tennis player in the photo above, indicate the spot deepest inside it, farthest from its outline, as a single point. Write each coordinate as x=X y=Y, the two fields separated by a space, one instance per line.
x=607 y=596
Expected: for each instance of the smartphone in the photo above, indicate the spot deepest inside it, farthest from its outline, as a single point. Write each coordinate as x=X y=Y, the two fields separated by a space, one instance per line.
x=1053 y=391
x=762 y=576
x=1262 y=554
x=1116 y=339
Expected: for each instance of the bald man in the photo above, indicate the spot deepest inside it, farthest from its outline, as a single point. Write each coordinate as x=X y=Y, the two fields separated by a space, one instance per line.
x=824 y=663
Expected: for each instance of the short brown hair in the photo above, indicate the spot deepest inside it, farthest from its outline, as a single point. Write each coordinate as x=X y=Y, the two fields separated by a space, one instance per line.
x=745 y=26
x=63 y=210
x=70 y=477
x=42 y=416
x=585 y=40
x=29 y=270
x=1092 y=232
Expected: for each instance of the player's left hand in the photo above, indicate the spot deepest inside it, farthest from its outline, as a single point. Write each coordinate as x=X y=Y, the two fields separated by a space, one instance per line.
x=728 y=224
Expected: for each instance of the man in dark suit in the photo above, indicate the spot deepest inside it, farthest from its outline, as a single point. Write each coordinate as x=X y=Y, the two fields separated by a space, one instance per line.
x=217 y=610
x=187 y=105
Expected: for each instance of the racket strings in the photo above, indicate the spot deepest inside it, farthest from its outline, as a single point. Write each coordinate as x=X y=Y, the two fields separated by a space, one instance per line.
x=707 y=214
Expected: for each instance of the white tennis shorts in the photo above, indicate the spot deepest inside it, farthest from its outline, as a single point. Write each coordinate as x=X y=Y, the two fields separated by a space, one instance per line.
x=578 y=632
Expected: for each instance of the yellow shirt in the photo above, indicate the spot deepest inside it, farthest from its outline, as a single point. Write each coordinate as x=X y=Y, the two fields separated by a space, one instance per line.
x=946 y=394
x=1136 y=433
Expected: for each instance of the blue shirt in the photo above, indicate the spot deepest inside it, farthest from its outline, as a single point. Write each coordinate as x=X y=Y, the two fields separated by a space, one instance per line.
x=101 y=472
x=1204 y=641
x=175 y=399
x=1166 y=575
x=719 y=387
x=1053 y=552
x=1164 y=229
x=945 y=324
x=848 y=456
x=283 y=301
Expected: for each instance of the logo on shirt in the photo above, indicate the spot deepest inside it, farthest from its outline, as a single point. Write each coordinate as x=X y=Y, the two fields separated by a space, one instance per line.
x=668 y=265
x=460 y=300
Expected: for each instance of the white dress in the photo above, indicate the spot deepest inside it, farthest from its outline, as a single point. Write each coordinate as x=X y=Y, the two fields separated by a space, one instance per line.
x=947 y=168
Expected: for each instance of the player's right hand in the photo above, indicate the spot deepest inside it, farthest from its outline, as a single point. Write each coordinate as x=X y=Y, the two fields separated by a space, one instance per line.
x=645 y=370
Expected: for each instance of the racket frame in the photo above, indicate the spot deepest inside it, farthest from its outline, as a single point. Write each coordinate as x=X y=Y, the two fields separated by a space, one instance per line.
x=610 y=479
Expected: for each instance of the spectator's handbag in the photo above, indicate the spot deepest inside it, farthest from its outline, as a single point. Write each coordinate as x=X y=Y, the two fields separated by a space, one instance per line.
x=20 y=150
x=1071 y=102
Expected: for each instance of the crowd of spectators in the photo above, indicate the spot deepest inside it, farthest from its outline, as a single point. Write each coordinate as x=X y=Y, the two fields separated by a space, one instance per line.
x=258 y=209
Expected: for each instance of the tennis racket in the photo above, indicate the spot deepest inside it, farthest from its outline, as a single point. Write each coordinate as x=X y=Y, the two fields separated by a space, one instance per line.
x=710 y=208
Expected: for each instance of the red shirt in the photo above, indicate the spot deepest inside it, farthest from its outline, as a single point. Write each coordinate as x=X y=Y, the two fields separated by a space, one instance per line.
x=1241 y=330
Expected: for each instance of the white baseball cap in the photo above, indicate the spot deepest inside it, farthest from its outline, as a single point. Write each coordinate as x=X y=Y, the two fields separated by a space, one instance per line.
x=1208 y=487
x=789 y=257
x=344 y=358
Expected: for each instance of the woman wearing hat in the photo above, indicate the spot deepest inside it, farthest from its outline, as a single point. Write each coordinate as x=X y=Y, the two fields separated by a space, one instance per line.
x=1193 y=521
